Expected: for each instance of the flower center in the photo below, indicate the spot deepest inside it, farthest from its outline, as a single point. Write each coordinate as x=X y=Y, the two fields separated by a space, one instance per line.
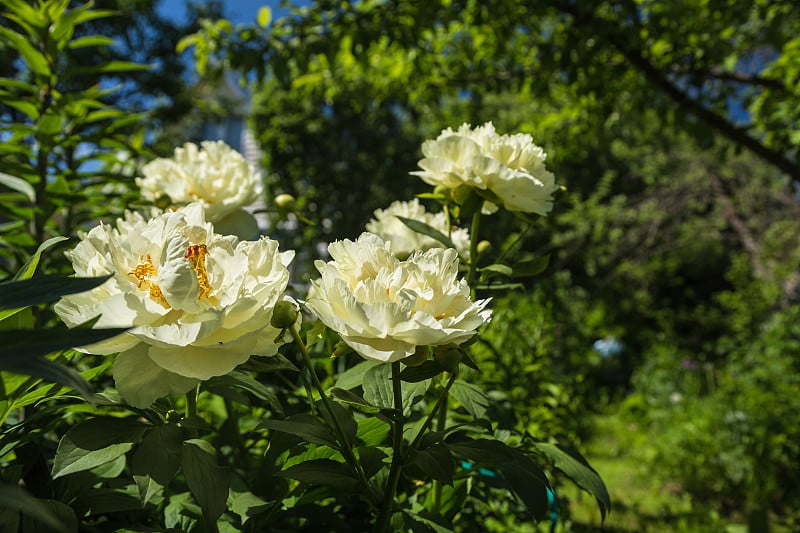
x=143 y=272
x=196 y=254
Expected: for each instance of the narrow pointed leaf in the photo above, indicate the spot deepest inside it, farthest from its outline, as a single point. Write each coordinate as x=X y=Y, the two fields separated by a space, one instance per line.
x=207 y=481
x=425 y=229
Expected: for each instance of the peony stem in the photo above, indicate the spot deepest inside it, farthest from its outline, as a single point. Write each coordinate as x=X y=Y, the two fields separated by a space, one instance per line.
x=441 y=421
x=346 y=447
x=191 y=409
x=382 y=524
x=473 y=249
x=441 y=401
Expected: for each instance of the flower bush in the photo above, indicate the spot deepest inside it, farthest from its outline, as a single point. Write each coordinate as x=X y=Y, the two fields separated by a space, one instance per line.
x=384 y=308
x=215 y=421
x=199 y=304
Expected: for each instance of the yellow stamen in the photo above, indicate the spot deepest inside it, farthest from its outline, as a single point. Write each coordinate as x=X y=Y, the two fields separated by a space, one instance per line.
x=196 y=254
x=143 y=272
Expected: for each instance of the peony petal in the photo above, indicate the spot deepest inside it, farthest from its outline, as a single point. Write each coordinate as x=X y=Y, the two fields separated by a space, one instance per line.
x=141 y=382
x=203 y=362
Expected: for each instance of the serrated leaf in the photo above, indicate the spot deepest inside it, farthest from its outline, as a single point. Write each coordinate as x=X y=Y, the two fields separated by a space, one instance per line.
x=425 y=229
x=471 y=398
x=207 y=481
x=305 y=426
x=95 y=442
x=322 y=472
x=575 y=467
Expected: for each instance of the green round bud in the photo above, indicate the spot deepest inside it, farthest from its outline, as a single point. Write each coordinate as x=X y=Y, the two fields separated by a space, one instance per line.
x=285 y=201
x=484 y=247
x=449 y=357
x=284 y=315
x=461 y=194
x=419 y=357
x=163 y=201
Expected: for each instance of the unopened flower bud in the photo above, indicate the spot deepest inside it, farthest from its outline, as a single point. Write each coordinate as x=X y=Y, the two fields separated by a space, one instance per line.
x=163 y=201
x=284 y=315
x=484 y=247
x=449 y=357
x=419 y=357
x=285 y=201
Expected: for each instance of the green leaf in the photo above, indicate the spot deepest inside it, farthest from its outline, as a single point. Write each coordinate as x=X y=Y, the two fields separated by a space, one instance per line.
x=15 y=497
x=437 y=462
x=323 y=472
x=497 y=268
x=207 y=481
x=30 y=55
x=575 y=467
x=353 y=399
x=42 y=368
x=95 y=442
x=245 y=382
x=90 y=40
x=30 y=265
x=305 y=426
x=515 y=469
x=425 y=229
x=354 y=377
x=273 y=363
x=43 y=289
x=531 y=267
x=19 y=185
x=427 y=370
x=471 y=398
x=17 y=344
x=156 y=460
x=372 y=460
x=244 y=503
x=372 y=431
x=378 y=388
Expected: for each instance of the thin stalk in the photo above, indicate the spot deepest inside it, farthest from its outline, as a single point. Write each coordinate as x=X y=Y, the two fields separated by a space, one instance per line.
x=346 y=447
x=441 y=421
x=191 y=409
x=385 y=515
x=441 y=401
x=473 y=249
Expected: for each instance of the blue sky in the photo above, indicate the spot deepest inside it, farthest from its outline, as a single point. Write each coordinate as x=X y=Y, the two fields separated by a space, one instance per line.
x=237 y=11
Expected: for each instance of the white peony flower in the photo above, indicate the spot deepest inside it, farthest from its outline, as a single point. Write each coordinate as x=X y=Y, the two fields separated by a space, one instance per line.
x=199 y=303
x=215 y=175
x=509 y=167
x=384 y=308
x=405 y=240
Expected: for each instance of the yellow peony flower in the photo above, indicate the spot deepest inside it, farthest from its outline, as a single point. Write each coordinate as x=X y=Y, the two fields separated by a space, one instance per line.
x=199 y=303
x=384 y=308
x=509 y=168
x=214 y=174
x=404 y=240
